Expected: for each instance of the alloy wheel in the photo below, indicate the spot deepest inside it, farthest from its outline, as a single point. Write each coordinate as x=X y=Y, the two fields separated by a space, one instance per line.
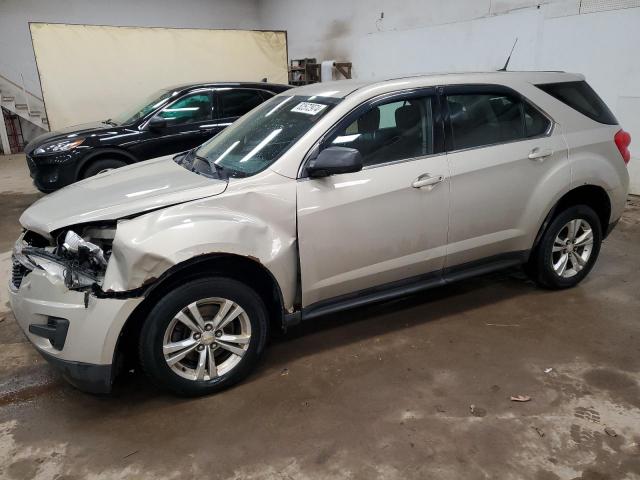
x=207 y=339
x=572 y=248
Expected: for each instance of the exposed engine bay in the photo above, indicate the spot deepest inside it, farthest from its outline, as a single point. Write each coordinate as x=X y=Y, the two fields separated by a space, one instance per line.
x=78 y=259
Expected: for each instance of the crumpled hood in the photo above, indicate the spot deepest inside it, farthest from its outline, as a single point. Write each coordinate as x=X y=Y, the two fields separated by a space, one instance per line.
x=119 y=193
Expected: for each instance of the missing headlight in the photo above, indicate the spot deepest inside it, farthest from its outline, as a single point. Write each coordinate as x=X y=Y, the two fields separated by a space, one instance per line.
x=80 y=261
x=87 y=252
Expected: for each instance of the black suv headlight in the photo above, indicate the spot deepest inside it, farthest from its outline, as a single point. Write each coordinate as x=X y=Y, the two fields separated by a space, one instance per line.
x=58 y=146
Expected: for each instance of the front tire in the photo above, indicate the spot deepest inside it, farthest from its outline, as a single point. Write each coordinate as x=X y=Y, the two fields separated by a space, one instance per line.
x=204 y=336
x=568 y=249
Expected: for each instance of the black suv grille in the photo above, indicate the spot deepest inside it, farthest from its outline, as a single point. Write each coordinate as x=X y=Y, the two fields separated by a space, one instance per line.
x=18 y=271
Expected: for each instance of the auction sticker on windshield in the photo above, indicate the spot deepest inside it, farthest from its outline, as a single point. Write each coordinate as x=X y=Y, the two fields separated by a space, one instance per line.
x=309 y=108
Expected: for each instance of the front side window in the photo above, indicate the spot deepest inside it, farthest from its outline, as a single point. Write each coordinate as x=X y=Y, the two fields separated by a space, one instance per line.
x=191 y=108
x=145 y=107
x=479 y=119
x=396 y=130
x=259 y=138
x=237 y=102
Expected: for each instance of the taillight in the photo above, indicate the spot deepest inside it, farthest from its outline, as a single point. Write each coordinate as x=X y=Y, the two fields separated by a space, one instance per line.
x=623 y=140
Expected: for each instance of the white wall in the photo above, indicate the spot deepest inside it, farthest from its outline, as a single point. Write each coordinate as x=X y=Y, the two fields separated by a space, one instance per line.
x=417 y=36
x=16 y=53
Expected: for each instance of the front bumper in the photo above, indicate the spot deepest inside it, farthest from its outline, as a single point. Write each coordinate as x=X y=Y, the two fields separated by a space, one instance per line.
x=87 y=377
x=87 y=354
x=54 y=171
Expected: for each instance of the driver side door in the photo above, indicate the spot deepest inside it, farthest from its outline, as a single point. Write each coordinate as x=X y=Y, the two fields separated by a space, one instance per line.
x=385 y=225
x=188 y=124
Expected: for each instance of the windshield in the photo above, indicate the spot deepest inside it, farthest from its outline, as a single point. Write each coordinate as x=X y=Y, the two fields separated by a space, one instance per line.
x=259 y=138
x=143 y=108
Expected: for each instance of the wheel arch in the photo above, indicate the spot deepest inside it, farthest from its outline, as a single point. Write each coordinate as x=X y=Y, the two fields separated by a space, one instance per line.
x=593 y=196
x=241 y=268
x=102 y=153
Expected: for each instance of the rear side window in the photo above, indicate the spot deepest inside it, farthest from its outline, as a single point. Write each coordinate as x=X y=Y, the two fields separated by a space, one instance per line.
x=479 y=119
x=581 y=97
x=235 y=103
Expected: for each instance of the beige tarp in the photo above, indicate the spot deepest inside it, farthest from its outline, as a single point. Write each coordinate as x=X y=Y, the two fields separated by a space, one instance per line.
x=91 y=72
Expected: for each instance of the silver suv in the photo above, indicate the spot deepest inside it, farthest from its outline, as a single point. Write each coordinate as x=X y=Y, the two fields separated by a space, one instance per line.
x=324 y=198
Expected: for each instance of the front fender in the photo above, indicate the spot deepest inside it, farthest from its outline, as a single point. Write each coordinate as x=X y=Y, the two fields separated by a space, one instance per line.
x=254 y=219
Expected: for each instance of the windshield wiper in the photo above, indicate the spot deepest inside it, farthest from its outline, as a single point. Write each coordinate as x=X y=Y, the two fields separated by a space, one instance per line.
x=220 y=170
x=108 y=121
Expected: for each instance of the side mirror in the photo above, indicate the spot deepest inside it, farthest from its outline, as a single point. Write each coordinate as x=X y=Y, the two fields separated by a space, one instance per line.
x=157 y=124
x=335 y=160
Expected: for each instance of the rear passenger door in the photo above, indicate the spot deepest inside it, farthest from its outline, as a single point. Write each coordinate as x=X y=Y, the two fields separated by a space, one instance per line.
x=506 y=158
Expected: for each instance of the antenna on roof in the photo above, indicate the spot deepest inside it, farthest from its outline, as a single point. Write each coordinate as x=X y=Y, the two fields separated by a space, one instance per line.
x=506 y=64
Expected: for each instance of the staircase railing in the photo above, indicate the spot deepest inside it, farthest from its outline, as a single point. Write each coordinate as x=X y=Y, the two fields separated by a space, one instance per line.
x=22 y=87
x=13 y=75
x=24 y=93
x=16 y=98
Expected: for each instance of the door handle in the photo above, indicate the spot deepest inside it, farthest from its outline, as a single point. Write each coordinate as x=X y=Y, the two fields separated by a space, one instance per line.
x=427 y=180
x=540 y=153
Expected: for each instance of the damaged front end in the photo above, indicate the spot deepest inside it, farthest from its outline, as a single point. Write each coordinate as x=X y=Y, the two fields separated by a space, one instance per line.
x=76 y=257
x=52 y=295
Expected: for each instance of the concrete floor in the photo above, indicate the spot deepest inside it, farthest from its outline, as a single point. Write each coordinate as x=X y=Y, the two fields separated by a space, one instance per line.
x=413 y=389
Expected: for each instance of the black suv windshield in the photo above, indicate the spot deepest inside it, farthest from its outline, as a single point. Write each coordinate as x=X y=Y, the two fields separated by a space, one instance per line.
x=143 y=108
x=260 y=137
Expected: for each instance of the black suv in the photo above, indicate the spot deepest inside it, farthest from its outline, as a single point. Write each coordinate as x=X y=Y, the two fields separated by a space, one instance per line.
x=170 y=121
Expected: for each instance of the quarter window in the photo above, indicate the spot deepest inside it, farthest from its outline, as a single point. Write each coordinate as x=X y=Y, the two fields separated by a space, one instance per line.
x=487 y=119
x=535 y=123
x=192 y=108
x=235 y=103
x=581 y=97
x=395 y=130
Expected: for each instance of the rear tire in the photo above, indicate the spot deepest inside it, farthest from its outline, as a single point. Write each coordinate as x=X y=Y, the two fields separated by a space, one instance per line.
x=193 y=356
x=103 y=165
x=568 y=249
